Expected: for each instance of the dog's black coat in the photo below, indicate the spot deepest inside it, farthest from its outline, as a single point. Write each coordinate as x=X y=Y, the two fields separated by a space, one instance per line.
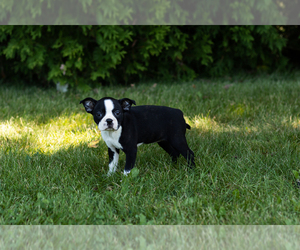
x=141 y=124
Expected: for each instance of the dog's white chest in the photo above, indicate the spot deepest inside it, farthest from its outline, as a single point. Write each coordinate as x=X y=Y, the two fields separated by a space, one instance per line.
x=111 y=138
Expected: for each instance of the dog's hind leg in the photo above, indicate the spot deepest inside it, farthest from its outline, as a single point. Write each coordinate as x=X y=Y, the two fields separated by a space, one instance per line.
x=182 y=147
x=170 y=150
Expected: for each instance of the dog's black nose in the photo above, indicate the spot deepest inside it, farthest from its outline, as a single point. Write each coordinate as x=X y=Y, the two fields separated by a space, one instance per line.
x=109 y=121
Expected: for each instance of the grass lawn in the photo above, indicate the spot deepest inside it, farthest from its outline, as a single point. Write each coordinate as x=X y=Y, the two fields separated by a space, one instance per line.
x=245 y=135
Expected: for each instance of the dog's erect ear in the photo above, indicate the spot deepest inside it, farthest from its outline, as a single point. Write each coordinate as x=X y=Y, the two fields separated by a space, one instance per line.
x=89 y=104
x=126 y=103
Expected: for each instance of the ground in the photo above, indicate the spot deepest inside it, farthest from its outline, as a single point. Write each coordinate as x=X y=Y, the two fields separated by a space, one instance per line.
x=245 y=135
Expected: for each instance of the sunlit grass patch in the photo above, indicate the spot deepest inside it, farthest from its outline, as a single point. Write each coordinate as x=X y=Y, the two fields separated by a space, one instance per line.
x=63 y=132
x=295 y=123
x=205 y=123
x=59 y=133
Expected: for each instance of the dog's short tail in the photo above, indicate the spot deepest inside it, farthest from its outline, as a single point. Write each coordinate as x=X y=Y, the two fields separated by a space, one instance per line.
x=188 y=126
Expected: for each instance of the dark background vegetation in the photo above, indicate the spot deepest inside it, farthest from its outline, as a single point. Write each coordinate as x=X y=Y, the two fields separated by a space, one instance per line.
x=95 y=55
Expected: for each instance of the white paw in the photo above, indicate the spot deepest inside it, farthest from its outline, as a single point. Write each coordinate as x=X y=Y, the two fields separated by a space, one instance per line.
x=126 y=172
x=111 y=169
x=110 y=173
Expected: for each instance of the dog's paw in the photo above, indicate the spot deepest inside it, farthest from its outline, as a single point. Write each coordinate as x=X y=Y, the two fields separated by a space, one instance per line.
x=112 y=169
x=126 y=172
x=109 y=173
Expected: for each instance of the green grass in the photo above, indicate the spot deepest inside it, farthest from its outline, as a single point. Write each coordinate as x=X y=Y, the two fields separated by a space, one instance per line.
x=245 y=135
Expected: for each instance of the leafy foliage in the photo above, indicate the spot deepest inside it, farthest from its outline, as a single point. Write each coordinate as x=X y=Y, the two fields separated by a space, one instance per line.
x=89 y=55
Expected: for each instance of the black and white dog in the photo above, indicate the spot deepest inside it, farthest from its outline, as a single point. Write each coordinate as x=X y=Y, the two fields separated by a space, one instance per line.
x=125 y=127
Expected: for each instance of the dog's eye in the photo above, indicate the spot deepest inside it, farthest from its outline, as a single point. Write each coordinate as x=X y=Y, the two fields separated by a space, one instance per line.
x=99 y=114
x=117 y=112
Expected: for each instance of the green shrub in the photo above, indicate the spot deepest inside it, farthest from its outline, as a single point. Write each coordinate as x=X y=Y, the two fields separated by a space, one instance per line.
x=91 y=55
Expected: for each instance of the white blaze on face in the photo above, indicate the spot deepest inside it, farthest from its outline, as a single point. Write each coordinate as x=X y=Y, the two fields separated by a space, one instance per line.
x=109 y=106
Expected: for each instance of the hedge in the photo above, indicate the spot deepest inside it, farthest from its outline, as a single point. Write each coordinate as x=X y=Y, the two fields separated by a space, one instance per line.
x=91 y=55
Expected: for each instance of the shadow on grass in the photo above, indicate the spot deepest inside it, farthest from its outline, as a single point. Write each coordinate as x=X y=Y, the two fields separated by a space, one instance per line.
x=32 y=104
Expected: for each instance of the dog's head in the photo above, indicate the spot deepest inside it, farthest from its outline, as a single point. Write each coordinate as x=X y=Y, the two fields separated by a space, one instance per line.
x=107 y=112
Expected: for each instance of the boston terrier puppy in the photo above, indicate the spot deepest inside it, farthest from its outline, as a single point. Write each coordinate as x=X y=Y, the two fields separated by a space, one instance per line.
x=125 y=127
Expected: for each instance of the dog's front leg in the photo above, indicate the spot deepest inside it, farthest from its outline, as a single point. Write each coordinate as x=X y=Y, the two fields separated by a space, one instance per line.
x=113 y=154
x=130 y=160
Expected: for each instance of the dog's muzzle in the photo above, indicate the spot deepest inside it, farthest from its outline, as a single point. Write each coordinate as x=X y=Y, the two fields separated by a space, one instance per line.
x=110 y=124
